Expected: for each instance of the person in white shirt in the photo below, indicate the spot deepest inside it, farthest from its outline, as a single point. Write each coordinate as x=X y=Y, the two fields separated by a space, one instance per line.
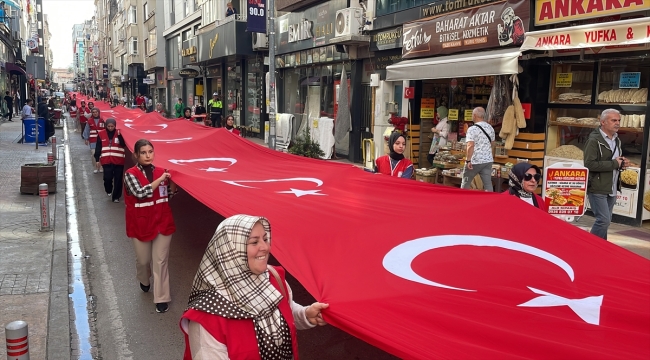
x=480 y=137
x=28 y=110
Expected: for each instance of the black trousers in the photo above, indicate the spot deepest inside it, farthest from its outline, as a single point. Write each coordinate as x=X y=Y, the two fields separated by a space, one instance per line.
x=216 y=120
x=10 y=114
x=113 y=178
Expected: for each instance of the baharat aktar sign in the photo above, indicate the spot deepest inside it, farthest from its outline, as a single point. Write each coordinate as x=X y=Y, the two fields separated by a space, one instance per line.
x=483 y=27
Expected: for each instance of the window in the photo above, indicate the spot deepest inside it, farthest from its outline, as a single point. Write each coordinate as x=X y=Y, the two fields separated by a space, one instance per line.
x=146 y=46
x=145 y=9
x=133 y=15
x=133 y=46
x=152 y=41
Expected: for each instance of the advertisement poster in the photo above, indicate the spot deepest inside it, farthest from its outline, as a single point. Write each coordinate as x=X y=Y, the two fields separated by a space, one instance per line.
x=564 y=80
x=565 y=189
x=427 y=108
x=256 y=19
x=482 y=27
x=646 y=197
x=626 y=200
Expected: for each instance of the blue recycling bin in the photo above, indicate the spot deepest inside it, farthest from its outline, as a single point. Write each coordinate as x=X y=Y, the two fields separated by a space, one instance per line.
x=30 y=130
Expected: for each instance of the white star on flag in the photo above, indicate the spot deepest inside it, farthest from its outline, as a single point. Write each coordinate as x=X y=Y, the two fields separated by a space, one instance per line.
x=211 y=169
x=300 y=193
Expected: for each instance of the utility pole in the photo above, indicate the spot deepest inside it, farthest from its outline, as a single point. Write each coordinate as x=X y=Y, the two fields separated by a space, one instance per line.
x=272 y=105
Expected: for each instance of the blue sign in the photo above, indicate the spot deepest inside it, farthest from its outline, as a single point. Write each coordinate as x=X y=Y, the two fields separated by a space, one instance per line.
x=629 y=80
x=256 y=18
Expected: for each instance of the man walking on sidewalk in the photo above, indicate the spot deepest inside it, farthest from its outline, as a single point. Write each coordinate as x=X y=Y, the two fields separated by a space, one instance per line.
x=10 y=106
x=603 y=158
x=479 y=151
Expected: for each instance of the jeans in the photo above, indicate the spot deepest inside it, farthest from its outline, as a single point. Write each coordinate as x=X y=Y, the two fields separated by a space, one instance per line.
x=602 y=207
x=113 y=176
x=483 y=170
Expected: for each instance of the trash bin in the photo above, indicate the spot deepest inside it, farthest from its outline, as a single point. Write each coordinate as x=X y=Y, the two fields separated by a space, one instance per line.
x=30 y=130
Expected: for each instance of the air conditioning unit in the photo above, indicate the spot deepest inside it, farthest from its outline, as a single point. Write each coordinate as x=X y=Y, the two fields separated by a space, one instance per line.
x=260 y=41
x=349 y=21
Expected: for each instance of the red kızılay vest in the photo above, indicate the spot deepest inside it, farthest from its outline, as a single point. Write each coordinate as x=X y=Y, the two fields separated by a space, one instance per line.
x=239 y=334
x=82 y=117
x=95 y=126
x=112 y=150
x=73 y=113
x=383 y=166
x=146 y=218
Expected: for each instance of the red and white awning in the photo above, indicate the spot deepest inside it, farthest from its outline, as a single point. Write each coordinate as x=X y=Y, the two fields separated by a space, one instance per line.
x=615 y=33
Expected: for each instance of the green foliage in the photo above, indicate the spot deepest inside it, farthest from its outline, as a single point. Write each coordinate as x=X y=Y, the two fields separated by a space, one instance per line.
x=306 y=146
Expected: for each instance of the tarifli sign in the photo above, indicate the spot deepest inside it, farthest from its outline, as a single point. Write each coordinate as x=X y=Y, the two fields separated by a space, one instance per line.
x=482 y=27
x=256 y=17
x=555 y=11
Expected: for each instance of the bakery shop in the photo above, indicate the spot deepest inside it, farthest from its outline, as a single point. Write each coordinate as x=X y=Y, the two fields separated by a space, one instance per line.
x=588 y=56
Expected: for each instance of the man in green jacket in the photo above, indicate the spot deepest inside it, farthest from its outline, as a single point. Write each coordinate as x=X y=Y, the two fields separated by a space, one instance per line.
x=603 y=158
x=178 y=108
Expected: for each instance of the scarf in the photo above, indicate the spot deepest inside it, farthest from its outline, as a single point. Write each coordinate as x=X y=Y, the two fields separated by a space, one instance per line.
x=391 y=142
x=148 y=171
x=230 y=128
x=225 y=286
x=516 y=179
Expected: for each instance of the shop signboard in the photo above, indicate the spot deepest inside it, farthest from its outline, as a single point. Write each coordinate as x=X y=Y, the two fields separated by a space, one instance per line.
x=482 y=27
x=308 y=29
x=554 y=11
x=565 y=188
x=230 y=38
x=386 y=40
x=427 y=108
x=627 y=198
x=256 y=16
x=105 y=71
x=563 y=80
x=615 y=33
x=453 y=115
x=629 y=80
x=468 y=115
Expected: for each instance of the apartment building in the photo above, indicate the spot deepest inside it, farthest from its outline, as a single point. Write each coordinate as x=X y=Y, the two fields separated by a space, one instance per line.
x=14 y=24
x=154 y=50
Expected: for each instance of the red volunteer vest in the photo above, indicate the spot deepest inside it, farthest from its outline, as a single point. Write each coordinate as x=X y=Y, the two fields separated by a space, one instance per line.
x=73 y=113
x=94 y=128
x=112 y=151
x=146 y=218
x=239 y=334
x=82 y=111
x=383 y=166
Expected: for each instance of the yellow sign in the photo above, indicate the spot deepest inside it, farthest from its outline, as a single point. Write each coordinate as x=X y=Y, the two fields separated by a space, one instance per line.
x=563 y=80
x=453 y=114
x=427 y=108
x=314 y=124
x=554 y=11
x=266 y=126
x=468 y=115
x=189 y=51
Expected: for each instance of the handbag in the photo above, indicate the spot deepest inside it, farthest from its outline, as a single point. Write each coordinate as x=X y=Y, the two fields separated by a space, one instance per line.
x=280 y=282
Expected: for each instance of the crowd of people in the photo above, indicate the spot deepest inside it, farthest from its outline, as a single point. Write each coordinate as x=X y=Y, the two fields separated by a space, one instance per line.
x=239 y=306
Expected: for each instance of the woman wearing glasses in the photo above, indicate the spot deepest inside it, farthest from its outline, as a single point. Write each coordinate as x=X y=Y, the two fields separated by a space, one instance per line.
x=523 y=179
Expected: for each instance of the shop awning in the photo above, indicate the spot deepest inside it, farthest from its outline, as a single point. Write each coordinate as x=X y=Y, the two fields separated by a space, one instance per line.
x=496 y=62
x=14 y=69
x=615 y=33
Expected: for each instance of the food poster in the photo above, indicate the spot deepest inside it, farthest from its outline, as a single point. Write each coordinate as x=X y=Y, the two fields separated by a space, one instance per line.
x=565 y=189
x=626 y=200
x=646 y=197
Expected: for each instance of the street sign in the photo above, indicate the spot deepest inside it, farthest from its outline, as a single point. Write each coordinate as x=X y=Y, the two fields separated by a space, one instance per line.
x=31 y=43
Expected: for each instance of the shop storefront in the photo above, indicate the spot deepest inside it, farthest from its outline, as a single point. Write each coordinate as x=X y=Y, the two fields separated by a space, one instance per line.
x=484 y=42
x=311 y=72
x=175 y=91
x=234 y=71
x=598 y=60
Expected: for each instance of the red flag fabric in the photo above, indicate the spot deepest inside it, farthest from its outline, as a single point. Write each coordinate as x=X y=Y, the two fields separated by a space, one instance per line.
x=419 y=270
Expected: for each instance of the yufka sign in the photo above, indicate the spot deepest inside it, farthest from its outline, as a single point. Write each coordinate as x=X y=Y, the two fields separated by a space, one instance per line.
x=555 y=11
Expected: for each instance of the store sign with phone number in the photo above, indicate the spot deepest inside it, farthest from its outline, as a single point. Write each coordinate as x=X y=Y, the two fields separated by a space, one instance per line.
x=565 y=187
x=626 y=32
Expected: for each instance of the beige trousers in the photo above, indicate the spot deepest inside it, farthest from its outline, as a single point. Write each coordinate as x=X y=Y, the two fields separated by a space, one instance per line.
x=154 y=254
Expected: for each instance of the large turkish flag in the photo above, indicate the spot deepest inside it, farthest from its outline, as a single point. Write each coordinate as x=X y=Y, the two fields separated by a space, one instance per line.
x=419 y=270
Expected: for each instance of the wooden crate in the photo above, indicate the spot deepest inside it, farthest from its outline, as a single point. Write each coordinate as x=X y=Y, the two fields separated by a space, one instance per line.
x=32 y=175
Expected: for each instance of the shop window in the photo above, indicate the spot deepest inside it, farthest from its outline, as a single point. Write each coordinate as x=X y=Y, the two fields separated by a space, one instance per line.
x=234 y=96
x=385 y=7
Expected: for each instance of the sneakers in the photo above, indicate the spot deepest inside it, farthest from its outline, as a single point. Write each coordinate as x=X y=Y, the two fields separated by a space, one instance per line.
x=95 y=171
x=162 y=307
x=116 y=200
x=109 y=194
x=145 y=288
x=101 y=170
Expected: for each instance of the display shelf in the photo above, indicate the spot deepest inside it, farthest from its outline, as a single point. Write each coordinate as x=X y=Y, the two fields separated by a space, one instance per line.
x=555 y=123
x=623 y=107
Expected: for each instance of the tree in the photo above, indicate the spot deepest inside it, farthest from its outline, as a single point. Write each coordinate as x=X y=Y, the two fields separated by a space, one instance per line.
x=70 y=69
x=306 y=146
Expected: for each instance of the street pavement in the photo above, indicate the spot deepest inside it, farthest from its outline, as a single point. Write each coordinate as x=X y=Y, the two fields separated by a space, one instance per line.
x=76 y=285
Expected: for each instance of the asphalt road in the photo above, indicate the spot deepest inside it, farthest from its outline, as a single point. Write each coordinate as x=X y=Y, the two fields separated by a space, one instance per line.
x=124 y=324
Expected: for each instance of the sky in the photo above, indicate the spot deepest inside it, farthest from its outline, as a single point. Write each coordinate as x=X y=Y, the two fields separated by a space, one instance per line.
x=61 y=15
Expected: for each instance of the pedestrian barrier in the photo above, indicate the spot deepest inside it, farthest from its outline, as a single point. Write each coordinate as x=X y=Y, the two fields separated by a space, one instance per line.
x=54 y=151
x=17 y=337
x=50 y=157
x=45 y=207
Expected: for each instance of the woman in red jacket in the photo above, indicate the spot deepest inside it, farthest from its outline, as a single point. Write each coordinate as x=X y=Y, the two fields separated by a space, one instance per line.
x=523 y=179
x=149 y=221
x=395 y=164
x=241 y=308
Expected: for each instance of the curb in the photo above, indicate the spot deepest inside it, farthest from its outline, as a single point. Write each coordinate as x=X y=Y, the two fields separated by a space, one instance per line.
x=58 y=329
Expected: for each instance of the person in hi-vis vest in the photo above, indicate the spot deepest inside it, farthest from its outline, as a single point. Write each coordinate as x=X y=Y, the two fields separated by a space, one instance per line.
x=216 y=109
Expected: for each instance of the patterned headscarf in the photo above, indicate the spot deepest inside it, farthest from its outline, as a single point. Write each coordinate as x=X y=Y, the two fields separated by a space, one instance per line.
x=516 y=179
x=224 y=285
